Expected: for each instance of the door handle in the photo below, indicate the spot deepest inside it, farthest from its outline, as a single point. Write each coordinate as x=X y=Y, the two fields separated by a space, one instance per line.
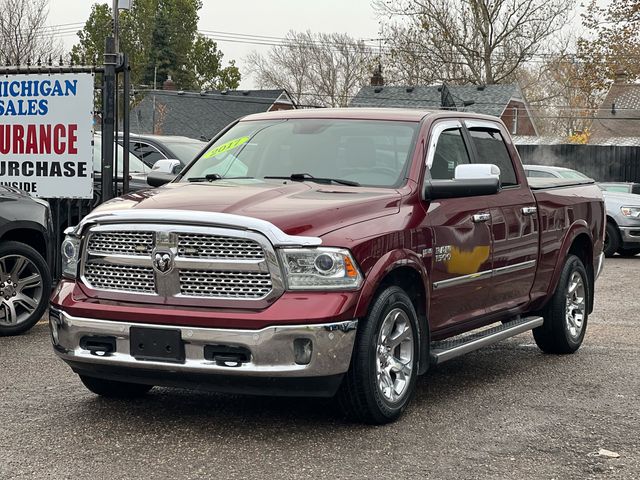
x=481 y=217
x=529 y=210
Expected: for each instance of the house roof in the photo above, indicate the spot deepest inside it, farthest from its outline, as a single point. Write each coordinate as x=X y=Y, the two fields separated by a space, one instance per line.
x=487 y=99
x=624 y=119
x=197 y=115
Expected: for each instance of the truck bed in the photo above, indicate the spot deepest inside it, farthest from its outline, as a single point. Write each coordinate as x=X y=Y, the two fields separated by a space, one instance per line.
x=539 y=183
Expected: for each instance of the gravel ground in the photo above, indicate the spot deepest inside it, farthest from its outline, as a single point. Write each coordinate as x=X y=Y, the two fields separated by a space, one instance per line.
x=503 y=412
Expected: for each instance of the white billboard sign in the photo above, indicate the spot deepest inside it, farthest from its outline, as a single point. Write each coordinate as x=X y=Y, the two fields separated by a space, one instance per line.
x=46 y=134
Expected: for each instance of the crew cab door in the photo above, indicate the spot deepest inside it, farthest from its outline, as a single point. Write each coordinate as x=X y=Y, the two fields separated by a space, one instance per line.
x=514 y=219
x=460 y=260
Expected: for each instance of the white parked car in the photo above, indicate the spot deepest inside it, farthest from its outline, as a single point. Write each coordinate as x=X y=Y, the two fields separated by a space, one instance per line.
x=623 y=211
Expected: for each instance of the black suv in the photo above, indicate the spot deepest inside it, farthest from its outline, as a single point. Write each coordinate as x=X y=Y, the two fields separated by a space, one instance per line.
x=25 y=252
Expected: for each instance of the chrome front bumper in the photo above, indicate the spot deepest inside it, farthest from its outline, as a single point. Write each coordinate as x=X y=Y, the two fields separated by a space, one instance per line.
x=272 y=348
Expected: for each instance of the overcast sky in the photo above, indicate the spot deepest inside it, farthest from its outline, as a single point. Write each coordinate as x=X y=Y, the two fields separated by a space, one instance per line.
x=253 y=17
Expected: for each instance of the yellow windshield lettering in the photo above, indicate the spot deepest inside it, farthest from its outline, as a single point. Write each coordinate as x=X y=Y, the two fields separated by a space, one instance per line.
x=225 y=147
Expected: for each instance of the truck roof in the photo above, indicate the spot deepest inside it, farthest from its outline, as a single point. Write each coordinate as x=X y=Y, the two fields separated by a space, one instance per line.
x=397 y=114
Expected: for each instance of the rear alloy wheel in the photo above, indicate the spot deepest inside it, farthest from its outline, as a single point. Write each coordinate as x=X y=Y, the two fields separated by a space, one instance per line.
x=114 y=389
x=382 y=376
x=611 y=240
x=25 y=285
x=566 y=314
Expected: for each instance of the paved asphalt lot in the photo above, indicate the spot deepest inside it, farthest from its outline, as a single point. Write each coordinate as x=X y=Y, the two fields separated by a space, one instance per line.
x=503 y=412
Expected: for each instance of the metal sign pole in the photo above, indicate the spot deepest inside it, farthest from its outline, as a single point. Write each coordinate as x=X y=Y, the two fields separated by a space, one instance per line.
x=108 y=118
x=125 y=123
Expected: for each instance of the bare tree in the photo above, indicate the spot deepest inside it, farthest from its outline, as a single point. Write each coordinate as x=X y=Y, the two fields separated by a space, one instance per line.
x=558 y=90
x=24 y=34
x=316 y=69
x=466 y=41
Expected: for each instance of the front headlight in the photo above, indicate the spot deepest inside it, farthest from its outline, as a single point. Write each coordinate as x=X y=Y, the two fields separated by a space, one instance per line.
x=320 y=269
x=632 y=212
x=70 y=251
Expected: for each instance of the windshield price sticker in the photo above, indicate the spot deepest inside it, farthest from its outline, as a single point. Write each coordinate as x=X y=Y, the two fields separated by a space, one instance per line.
x=225 y=147
x=46 y=134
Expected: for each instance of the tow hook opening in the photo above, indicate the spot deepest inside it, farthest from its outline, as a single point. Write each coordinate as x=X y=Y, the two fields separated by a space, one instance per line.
x=100 y=346
x=226 y=355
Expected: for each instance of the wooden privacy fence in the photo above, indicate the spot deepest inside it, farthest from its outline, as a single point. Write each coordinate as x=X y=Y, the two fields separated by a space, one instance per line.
x=600 y=162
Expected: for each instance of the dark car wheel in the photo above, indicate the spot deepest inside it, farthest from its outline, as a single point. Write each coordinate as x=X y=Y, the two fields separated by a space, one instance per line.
x=611 y=240
x=25 y=285
x=566 y=314
x=381 y=379
x=114 y=389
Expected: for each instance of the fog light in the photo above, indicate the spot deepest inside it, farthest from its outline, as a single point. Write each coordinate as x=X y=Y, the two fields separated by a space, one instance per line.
x=302 y=351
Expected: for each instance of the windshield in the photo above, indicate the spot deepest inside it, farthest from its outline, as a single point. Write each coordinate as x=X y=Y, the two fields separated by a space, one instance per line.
x=572 y=174
x=369 y=152
x=185 y=151
x=616 y=188
x=135 y=164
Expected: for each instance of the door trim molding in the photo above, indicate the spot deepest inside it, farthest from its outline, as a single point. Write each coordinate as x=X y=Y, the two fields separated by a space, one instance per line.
x=452 y=282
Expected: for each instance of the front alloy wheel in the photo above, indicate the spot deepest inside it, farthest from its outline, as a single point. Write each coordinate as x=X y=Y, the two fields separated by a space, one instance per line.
x=394 y=362
x=25 y=284
x=384 y=365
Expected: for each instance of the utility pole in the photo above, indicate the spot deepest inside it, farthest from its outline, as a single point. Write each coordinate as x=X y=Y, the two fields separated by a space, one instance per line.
x=116 y=24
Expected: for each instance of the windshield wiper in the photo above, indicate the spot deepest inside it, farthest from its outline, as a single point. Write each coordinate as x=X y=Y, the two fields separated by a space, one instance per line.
x=301 y=177
x=212 y=177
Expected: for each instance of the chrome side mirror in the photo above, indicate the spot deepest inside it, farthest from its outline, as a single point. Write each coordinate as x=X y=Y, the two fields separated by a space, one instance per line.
x=169 y=166
x=476 y=171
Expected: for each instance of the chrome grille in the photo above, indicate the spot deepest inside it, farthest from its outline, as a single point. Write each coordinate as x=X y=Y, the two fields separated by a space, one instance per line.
x=197 y=283
x=121 y=243
x=227 y=267
x=105 y=276
x=218 y=247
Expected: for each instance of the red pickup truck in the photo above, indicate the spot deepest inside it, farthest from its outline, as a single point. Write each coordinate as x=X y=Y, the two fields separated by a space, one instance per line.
x=328 y=252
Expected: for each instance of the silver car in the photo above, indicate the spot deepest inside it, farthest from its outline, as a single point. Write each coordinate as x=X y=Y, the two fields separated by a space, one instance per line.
x=623 y=211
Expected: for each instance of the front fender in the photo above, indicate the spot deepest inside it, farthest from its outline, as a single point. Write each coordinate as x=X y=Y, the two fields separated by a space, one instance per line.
x=374 y=278
x=384 y=266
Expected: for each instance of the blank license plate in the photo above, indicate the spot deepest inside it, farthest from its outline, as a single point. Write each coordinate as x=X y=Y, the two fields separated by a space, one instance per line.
x=156 y=344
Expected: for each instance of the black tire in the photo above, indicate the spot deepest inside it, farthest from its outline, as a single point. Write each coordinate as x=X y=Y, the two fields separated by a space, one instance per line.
x=114 y=389
x=360 y=396
x=611 y=240
x=17 y=316
x=629 y=252
x=559 y=333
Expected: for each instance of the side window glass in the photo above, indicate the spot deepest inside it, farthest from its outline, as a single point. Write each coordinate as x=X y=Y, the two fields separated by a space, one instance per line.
x=450 y=152
x=492 y=149
x=147 y=153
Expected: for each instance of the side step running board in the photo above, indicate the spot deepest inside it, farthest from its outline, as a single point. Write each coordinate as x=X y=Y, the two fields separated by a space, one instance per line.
x=448 y=349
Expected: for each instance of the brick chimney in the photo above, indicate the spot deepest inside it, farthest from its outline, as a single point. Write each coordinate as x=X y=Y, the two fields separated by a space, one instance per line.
x=169 y=84
x=377 y=80
x=621 y=76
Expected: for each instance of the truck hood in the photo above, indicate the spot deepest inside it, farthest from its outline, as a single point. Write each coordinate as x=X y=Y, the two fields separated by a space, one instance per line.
x=630 y=199
x=297 y=208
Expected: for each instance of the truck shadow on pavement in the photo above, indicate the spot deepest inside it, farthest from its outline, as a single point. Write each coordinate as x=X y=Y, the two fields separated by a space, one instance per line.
x=468 y=377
